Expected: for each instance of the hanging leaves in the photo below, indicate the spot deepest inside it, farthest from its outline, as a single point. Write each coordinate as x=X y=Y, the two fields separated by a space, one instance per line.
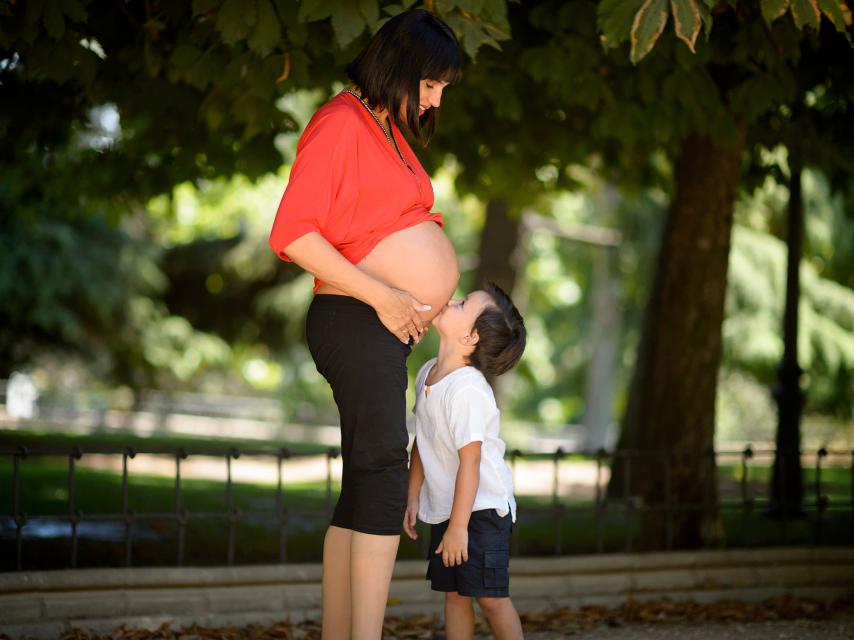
x=615 y=20
x=234 y=20
x=686 y=20
x=267 y=32
x=648 y=19
x=348 y=22
x=837 y=12
x=648 y=24
x=806 y=13
x=773 y=9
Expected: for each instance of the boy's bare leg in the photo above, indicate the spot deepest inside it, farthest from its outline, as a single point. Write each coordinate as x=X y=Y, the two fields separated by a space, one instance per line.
x=371 y=565
x=336 y=584
x=502 y=618
x=459 y=617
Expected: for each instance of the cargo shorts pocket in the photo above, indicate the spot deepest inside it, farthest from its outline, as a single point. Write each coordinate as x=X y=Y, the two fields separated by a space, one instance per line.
x=496 y=573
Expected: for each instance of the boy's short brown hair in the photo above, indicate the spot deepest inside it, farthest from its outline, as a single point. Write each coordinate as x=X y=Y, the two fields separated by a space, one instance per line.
x=501 y=334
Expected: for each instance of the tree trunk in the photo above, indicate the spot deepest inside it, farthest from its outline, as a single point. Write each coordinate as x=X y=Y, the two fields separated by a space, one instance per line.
x=670 y=416
x=499 y=256
x=787 y=485
x=498 y=247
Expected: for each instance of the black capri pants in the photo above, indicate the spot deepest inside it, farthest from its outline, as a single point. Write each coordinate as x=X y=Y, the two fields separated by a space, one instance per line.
x=365 y=364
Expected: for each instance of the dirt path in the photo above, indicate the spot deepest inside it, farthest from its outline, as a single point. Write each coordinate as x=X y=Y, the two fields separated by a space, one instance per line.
x=836 y=629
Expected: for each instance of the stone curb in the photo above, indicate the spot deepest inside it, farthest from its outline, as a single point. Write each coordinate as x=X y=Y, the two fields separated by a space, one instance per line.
x=47 y=603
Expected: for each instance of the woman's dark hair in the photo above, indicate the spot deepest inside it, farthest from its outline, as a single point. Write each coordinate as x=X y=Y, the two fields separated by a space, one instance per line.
x=411 y=46
x=501 y=335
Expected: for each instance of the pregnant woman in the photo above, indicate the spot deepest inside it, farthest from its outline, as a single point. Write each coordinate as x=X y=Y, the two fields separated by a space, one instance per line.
x=356 y=215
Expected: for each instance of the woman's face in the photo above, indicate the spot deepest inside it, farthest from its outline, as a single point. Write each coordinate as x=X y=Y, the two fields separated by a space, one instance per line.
x=429 y=97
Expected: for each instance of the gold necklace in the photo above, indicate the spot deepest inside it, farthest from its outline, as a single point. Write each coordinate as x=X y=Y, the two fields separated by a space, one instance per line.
x=388 y=134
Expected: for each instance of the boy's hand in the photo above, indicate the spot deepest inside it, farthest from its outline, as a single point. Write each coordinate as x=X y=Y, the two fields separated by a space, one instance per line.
x=410 y=518
x=454 y=546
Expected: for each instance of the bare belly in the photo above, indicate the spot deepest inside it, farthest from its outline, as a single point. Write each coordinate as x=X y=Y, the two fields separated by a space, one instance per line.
x=419 y=260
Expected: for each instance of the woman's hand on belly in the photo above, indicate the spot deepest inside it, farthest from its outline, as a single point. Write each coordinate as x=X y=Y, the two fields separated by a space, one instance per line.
x=399 y=313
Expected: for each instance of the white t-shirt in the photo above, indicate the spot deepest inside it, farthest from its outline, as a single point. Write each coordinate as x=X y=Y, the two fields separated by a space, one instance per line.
x=458 y=410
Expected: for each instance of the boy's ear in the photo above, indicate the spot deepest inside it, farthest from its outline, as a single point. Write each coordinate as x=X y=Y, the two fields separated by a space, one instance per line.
x=473 y=338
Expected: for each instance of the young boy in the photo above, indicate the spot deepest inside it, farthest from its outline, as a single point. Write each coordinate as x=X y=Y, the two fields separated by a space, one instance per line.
x=458 y=480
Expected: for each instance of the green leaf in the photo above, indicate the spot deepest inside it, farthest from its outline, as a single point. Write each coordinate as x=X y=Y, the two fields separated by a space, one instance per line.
x=393 y=9
x=833 y=10
x=806 y=13
x=296 y=31
x=472 y=6
x=706 y=17
x=686 y=20
x=232 y=21
x=73 y=9
x=267 y=32
x=185 y=56
x=773 y=9
x=370 y=11
x=469 y=32
x=54 y=21
x=495 y=11
x=615 y=18
x=647 y=27
x=348 y=23
x=312 y=10
x=444 y=7
x=35 y=10
x=204 y=7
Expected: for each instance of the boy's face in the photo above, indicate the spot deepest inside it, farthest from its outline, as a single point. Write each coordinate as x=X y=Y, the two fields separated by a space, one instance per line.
x=456 y=320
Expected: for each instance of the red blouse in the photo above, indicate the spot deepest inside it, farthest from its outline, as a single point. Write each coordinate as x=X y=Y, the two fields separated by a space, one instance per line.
x=349 y=184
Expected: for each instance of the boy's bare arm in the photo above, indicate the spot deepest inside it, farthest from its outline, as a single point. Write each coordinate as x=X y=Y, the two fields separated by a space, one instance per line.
x=416 y=479
x=454 y=545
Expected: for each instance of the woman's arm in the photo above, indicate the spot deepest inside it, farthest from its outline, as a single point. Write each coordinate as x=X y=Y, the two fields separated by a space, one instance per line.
x=397 y=310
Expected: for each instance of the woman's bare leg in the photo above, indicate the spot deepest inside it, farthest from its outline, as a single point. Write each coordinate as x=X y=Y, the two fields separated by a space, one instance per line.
x=371 y=565
x=336 y=584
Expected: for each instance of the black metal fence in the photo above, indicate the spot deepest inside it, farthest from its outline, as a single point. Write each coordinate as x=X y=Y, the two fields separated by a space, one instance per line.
x=614 y=520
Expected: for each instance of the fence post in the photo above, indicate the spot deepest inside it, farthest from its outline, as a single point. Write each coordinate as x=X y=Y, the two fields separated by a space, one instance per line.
x=127 y=516
x=627 y=499
x=821 y=501
x=233 y=514
x=781 y=461
x=600 y=502
x=556 y=505
x=514 y=536
x=709 y=457
x=20 y=519
x=746 y=498
x=668 y=499
x=74 y=515
x=180 y=511
x=281 y=513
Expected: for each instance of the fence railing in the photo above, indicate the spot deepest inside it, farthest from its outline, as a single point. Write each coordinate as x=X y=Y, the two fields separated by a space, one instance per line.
x=612 y=518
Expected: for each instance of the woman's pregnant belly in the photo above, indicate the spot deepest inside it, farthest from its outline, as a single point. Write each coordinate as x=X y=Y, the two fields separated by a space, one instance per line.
x=419 y=260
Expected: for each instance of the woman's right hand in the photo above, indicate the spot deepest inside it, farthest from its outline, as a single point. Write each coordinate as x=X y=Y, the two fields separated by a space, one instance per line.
x=399 y=314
